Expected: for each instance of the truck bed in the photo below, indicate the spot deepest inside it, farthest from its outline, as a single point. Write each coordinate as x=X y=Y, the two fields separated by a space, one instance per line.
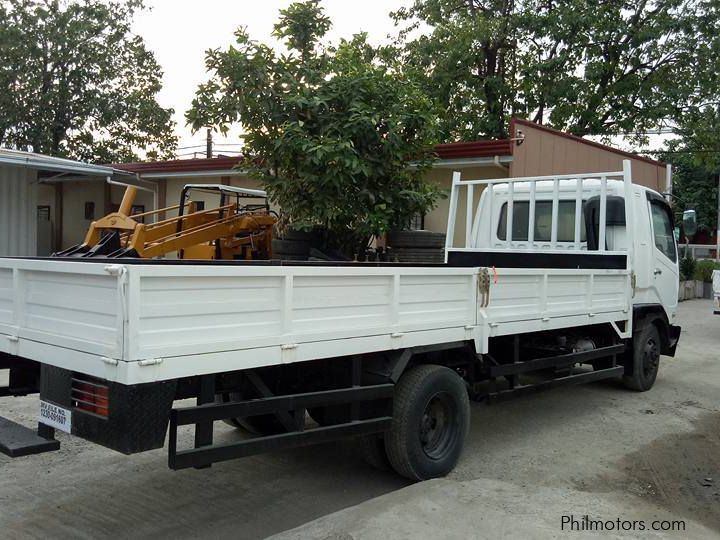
x=141 y=321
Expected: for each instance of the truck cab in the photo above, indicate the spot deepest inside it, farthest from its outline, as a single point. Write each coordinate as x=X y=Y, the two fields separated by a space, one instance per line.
x=655 y=256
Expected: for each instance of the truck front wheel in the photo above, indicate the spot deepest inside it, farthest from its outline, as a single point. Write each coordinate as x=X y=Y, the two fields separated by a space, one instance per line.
x=431 y=418
x=645 y=359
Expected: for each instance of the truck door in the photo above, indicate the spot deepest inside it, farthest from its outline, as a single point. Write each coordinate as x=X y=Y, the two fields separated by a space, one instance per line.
x=664 y=281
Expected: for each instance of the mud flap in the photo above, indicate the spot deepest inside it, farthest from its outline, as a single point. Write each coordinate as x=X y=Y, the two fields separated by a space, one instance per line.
x=673 y=338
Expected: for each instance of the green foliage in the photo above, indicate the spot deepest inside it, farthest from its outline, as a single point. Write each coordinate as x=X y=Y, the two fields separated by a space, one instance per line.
x=687 y=268
x=694 y=187
x=78 y=83
x=704 y=270
x=331 y=133
x=302 y=24
x=695 y=158
x=584 y=66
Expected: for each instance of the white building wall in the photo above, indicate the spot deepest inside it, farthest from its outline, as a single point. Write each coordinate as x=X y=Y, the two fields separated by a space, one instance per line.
x=18 y=223
x=75 y=195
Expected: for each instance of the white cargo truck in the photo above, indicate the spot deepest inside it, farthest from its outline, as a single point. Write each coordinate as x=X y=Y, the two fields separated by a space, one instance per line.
x=560 y=280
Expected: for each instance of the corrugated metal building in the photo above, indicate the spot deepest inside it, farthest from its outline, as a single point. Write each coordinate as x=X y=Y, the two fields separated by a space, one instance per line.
x=18 y=195
x=541 y=151
x=34 y=197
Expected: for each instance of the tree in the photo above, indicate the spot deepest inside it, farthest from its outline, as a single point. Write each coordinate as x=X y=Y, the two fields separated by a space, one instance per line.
x=337 y=139
x=695 y=157
x=77 y=83
x=588 y=67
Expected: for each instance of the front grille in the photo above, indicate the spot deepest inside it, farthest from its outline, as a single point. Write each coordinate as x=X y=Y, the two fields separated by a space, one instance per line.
x=91 y=395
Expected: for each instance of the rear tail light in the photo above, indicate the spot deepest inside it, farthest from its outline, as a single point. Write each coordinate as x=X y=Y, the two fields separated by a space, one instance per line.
x=91 y=395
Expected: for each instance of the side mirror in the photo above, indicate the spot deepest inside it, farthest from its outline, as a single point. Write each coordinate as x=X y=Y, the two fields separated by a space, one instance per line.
x=689 y=222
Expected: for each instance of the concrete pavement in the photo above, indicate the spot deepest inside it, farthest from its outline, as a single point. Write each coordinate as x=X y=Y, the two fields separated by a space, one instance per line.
x=596 y=449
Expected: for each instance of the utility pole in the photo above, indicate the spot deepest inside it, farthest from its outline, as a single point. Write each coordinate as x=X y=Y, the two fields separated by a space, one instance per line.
x=208 y=144
x=717 y=231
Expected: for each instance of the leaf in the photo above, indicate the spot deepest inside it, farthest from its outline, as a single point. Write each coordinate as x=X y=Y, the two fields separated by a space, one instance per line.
x=84 y=85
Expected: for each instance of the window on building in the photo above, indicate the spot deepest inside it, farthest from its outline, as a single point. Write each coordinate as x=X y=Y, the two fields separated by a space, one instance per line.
x=543 y=221
x=90 y=210
x=138 y=209
x=417 y=223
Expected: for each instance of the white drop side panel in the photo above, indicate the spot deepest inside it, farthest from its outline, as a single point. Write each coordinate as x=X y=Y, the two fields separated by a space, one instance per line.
x=75 y=306
x=181 y=310
x=18 y=236
x=536 y=297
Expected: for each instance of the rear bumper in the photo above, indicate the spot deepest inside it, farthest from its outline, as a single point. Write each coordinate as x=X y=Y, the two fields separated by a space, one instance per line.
x=137 y=416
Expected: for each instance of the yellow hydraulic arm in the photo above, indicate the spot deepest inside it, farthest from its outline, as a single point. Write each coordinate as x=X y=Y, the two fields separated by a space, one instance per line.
x=231 y=230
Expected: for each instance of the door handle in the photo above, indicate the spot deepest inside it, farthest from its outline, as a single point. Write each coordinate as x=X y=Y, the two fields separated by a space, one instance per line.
x=657 y=272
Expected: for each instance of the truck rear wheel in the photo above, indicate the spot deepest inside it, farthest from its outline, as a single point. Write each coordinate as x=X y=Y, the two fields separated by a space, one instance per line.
x=431 y=418
x=264 y=424
x=645 y=360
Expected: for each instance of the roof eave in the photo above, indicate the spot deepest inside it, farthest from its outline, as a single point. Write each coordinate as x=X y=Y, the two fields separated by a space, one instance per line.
x=53 y=164
x=471 y=162
x=191 y=174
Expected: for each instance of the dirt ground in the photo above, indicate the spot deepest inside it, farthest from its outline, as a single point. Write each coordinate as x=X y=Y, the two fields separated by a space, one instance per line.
x=596 y=449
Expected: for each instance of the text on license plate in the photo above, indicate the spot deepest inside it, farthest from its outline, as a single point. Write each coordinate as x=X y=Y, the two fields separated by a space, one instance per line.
x=54 y=416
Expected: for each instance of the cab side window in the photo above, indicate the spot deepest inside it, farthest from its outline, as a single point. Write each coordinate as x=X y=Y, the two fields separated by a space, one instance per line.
x=543 y=222
x=663 y=230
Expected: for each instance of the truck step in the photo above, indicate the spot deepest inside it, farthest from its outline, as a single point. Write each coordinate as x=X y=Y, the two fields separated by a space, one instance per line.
x=17 y=440
x=6 y=391
x=502 y=395
x=294 y=406
x=564 y=360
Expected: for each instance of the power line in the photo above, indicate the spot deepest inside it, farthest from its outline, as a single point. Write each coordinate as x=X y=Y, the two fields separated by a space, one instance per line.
x=203 y=146
x=677 y=151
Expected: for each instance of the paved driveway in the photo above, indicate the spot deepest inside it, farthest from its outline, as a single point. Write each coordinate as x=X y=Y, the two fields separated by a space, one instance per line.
x=595 y=449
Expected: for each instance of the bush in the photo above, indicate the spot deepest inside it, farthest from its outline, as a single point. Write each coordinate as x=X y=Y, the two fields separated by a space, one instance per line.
x=687 y=268
x=704 y=270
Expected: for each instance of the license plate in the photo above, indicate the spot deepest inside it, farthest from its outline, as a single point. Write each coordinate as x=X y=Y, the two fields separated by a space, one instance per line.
x=54 y=416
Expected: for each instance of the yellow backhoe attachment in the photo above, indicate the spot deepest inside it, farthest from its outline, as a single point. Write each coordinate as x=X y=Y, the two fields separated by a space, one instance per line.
x=236 y=229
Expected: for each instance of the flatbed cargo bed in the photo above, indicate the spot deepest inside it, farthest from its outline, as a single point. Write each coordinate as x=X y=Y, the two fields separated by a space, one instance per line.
x=132 y=322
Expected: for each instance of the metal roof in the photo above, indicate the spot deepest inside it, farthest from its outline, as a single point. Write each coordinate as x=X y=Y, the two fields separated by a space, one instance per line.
x=449 y=154
x=218 y=166
x=474 y=149
x=49 y=163
x=230 y=189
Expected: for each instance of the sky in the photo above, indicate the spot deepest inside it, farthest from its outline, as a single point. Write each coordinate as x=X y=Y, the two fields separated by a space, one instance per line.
x=180 y=31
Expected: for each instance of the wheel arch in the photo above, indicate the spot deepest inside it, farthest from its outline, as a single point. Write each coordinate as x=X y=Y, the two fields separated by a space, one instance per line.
x=654 y=314
x=403 y=359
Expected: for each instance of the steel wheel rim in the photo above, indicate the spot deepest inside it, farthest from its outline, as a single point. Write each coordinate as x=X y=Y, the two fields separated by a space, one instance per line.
x=651 y=358
x=437 y=431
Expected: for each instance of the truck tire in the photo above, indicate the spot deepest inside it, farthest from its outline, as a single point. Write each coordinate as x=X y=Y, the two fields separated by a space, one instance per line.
x=415 y=239
x=415 y=255
x=431 y=418
x=372 y=450
x=308 y=237
x=290 y=247
x=645 y=360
